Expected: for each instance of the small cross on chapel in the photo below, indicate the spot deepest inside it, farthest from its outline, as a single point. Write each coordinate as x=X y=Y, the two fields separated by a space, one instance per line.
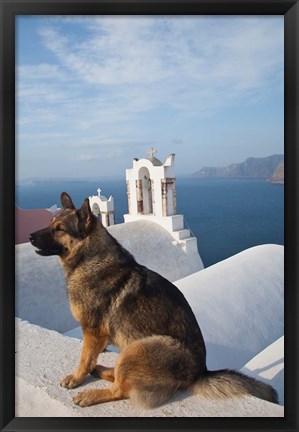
x=151 y=152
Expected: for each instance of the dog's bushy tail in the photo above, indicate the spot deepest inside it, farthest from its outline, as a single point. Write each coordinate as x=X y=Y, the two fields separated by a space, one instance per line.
x=229 y=383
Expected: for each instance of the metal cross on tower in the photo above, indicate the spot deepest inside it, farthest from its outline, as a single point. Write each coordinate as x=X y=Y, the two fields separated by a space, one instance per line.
x=151 y=152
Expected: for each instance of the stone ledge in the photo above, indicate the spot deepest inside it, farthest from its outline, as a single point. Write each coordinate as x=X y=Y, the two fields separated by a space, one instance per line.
x=44 y=357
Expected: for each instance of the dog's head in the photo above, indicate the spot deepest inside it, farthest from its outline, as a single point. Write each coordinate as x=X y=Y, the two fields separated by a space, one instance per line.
x=67 y=228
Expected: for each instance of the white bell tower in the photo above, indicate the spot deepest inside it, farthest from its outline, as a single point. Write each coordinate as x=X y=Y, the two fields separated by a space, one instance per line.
x=151 y=187
x=152 y=196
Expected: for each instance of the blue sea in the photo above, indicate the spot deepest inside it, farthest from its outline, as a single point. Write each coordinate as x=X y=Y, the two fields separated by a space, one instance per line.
x=226 y=215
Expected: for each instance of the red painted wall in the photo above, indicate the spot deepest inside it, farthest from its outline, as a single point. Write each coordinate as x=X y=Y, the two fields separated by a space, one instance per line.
x=28 y=221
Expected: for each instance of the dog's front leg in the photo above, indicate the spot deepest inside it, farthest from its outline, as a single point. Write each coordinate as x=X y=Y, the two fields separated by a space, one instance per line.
x=94 y=342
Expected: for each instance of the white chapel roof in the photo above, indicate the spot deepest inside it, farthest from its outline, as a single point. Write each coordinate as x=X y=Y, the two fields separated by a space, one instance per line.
x=155 y=161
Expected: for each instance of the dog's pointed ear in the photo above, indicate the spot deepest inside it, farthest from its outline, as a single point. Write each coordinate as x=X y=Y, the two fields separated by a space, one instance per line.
x=66 y=201
x=86 y=217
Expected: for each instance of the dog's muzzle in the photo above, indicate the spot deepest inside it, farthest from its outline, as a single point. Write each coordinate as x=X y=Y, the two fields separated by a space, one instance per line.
x=44 y=243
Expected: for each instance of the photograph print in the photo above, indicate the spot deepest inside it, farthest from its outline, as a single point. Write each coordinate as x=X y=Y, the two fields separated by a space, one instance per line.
x=149 y=216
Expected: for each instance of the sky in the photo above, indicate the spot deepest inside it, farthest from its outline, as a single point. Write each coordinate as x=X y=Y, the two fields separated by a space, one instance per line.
x=94 y=92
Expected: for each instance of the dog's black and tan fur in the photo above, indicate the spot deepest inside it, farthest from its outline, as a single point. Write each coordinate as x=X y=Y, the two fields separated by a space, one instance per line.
x=123 y=303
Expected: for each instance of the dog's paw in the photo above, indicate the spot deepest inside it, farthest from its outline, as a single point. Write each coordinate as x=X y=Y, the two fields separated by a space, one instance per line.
x=70 y=382
x=85 y=398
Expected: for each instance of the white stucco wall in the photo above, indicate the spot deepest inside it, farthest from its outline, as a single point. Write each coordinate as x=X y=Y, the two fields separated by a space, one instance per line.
x=41 y=290
x=268 y=366
x=154 y=247
x=238 y=304
x=44 y=357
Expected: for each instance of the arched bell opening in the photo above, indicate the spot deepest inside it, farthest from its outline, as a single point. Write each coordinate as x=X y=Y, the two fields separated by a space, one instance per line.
x=144 y=185
x=96 y=210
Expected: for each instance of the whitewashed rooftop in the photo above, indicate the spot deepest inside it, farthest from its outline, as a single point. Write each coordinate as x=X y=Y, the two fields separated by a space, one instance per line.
x=237 y=302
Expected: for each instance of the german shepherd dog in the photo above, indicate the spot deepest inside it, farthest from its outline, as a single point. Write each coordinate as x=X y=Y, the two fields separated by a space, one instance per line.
x=123 y=303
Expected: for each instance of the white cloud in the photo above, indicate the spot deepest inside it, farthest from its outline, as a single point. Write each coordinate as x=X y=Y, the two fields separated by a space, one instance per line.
x=41 y=71
x=115 y=53
x=100 y=154
x=183 y=63
x=84 y=157
x=138 y=64
x=102 y=142
x=110 y=81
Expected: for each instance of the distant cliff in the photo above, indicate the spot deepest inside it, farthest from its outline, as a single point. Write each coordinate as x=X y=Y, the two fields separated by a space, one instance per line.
x=278 y=175
x=251 y=168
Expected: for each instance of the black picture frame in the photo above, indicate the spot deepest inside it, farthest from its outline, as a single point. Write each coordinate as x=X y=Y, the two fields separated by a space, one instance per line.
x=10 y=9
